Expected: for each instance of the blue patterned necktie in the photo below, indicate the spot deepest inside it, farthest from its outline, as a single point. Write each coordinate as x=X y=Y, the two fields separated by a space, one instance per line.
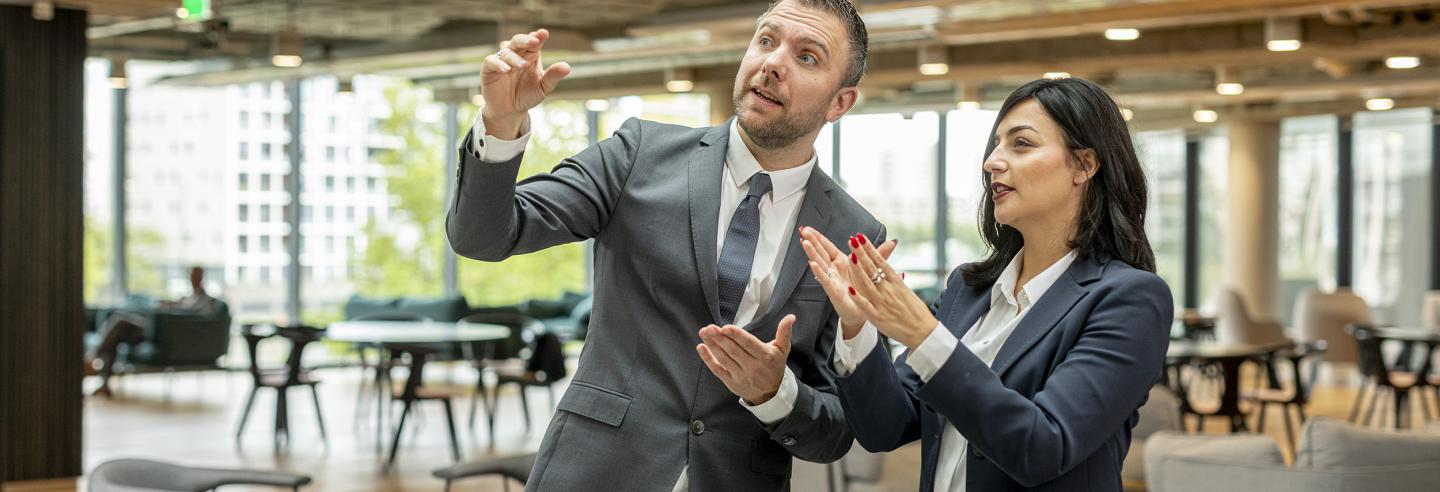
x=738 y=253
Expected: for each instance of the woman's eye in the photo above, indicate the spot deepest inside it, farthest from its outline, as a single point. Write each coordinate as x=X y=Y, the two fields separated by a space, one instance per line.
x=1020 y=142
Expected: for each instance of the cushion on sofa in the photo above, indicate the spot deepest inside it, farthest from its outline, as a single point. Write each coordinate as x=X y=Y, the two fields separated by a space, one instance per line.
x=359 y=305
x=449 y=309
x=1328 y=444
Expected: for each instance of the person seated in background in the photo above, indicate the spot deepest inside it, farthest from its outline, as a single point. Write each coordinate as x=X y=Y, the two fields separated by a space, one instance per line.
x=128 y=328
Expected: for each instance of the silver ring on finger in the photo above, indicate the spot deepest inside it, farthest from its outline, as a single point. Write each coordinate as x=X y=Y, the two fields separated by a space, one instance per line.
x=878 y=277
x=503 y=52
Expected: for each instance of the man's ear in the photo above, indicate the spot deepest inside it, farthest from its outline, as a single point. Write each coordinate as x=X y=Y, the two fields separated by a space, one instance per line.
x=1089 y=164
x=844 y=99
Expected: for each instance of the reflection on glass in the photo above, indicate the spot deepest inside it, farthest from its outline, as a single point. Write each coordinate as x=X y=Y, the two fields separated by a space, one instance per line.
x=1162 y=155
x=888 y=166
x=1307 y=215
x=966 y=132
x=175 y=181
x=1392 y=212
x=1214 y=176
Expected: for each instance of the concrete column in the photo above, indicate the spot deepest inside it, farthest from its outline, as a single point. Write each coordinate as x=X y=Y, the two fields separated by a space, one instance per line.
x=722 y=103
x=1251 y=264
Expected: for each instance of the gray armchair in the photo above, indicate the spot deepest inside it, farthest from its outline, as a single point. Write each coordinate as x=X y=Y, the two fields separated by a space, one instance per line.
x=136 y=475
x=1333 y=456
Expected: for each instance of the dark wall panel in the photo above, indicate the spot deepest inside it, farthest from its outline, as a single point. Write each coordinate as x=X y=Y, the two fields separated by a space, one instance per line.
x=41 y=222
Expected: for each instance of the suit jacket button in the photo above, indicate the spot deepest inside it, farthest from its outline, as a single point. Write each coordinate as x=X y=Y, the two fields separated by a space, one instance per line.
x=977 y=454
x=697 y=427
x=788 y=440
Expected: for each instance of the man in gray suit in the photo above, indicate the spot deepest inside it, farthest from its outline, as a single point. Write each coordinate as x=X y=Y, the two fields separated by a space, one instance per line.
x=697 y=260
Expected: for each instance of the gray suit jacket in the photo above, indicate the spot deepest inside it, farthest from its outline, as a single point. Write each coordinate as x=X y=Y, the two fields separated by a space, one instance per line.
x=642 y=404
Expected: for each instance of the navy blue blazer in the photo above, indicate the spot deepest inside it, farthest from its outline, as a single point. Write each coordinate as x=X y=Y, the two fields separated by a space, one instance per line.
x=1055 y=410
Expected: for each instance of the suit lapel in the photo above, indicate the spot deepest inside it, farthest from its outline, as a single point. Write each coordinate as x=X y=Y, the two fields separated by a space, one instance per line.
x=707 y=166
x=969 y=306
x=1048 y=311
x=815 y=212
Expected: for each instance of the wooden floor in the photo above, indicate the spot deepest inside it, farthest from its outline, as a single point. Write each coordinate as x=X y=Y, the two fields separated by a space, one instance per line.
x=195 y=425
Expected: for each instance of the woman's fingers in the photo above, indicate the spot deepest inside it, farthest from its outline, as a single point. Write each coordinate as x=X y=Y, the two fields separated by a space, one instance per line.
x=865 y=269
x=868 y=309
x=891 y=277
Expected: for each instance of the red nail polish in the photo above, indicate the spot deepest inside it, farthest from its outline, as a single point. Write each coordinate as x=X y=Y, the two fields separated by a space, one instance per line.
x=897 y=241
x=854 y=259
x=862 y=239
x=902 y=275
x=854 y=243
x=852 y=290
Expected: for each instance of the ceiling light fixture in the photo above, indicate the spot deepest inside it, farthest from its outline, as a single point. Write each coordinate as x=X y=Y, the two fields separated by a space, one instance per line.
x=1380 y=104
x=286 y=48
x=1122 y=34
x=934 y=60
x=1402 y=62
x=679 y=79
x=1282 y=34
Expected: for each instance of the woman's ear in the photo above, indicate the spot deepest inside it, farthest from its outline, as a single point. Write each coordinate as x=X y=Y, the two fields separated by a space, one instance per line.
x=1089 y=164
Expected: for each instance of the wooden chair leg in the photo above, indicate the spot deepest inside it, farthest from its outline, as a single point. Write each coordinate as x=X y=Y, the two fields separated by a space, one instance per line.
x=450 y=422
x=1359 y=402
x=1289 y=432
x=399 y=430
x=319 y=416
x=525 y=405
x=1370 y=410
x=245 y=415
x=475 y=398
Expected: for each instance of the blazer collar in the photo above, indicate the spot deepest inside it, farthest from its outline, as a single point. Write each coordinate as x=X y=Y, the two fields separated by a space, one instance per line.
x=1043 y=316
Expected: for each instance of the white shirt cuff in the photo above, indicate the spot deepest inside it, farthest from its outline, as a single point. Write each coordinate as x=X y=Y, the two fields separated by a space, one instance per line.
x=850 y=353
x=933 y=352
x=489 y=148
x=779 y=407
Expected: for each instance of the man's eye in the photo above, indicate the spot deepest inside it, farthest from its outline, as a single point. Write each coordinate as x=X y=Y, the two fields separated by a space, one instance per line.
x=807 y=59
x=765 y=42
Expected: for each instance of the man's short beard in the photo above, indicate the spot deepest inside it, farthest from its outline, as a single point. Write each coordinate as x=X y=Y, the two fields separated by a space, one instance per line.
x=781 y=133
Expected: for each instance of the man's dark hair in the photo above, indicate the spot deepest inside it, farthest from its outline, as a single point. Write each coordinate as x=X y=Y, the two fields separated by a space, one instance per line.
x=854 y=26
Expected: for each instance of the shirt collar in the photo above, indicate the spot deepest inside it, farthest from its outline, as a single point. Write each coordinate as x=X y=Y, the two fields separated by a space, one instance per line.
x=1033 y=290
x=742 y=165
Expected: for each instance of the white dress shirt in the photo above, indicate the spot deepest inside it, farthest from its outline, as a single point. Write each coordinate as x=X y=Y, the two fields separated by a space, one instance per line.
x=984 y=339
x=778 y=212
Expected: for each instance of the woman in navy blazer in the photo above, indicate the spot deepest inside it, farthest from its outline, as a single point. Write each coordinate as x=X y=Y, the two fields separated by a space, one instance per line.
x=1029 y=371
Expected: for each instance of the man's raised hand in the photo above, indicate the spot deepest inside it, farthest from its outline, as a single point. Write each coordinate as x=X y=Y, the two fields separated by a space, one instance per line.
x=514 y=80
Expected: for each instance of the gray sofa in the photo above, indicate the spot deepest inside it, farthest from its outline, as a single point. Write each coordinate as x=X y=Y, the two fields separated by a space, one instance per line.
x=1332 y=456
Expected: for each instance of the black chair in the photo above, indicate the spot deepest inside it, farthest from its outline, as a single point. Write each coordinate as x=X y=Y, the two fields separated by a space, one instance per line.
x=544 y=368
x=281 y=380
x=508 y=468
x=415 y=391
x=1299 y=394
x=492 y=355
x=1399 y=384
x=381 y=384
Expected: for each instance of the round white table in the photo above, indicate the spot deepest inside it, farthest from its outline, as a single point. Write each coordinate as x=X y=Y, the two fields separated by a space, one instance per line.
x=414 y=332
x=382 y=333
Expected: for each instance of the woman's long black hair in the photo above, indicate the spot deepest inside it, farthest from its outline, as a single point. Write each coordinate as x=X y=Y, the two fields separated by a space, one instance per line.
x=1112 y=216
